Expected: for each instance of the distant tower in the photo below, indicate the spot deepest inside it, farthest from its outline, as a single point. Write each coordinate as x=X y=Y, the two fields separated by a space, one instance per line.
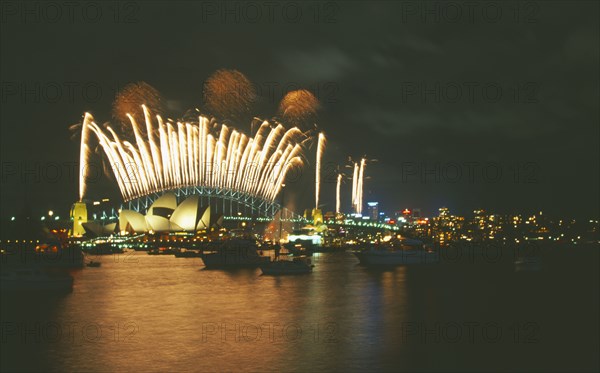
x=373 y=210
x=317 y=216
x=78 y=216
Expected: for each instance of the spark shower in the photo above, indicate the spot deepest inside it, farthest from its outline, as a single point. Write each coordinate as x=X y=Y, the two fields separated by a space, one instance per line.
x=156 y=155
x=192 y=154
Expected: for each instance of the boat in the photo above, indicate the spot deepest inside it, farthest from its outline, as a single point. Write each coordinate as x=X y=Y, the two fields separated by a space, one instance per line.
x=296 y=266
x=34 y=279
x=163 y=251
x=388 y=256
x=233 y=253
x=188 y=254
x=305 y=241
x=300 y=248
x=92 y=263
x=331 y=249
x=397 y=252
x=104 y=248
x=528 y=264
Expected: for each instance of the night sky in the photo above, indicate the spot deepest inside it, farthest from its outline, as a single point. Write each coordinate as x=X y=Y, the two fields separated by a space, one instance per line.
x=387 y=75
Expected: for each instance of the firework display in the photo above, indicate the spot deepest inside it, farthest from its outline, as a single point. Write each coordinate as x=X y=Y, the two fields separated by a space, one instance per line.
x=228 y=94
x=174 y=155
x=299 y=106
x=129 y=101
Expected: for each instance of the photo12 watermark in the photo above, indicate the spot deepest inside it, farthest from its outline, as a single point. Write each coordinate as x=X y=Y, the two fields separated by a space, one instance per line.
x=269 y=12
x=57 y=92
x=52 y=332
x=13 y=12
x=470 y=172
x=271 y=332
x=471 y=332
x=468 y=92
x=469 y=12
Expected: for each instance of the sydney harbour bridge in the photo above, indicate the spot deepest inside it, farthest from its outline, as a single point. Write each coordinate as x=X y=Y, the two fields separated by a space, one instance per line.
x=227 y=202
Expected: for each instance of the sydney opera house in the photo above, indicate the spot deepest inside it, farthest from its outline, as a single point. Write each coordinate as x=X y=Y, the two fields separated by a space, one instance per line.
x=163 y=216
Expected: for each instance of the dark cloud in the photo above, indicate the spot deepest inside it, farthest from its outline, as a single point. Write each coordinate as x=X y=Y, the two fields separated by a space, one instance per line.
x=322 y=64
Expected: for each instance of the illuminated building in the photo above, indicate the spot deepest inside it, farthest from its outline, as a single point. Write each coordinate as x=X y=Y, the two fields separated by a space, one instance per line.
x=163 y=216
x=373 y=210
x=78 y=216
x=317 y=216
x=329 y=215
x=447 y=227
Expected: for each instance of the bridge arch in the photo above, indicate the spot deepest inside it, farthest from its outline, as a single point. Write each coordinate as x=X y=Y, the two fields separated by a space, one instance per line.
x=227 y=202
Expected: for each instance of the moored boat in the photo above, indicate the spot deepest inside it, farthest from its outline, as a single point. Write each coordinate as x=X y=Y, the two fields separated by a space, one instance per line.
x=392 y=257
x=104 y=248
x=297 y=266
x=528 y=264
x=401 y=251
x=300 y=248
x=188 y=254
x=164 y=251
x=234 y=253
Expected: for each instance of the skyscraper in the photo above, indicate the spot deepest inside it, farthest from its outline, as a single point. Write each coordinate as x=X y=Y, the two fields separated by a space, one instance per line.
x=373 y=208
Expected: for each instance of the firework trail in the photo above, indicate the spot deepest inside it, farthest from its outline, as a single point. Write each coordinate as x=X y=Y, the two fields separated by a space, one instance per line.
x=355 y=187
x=337 y=194
x=359 y=187
x=320 y=149
x=174 y=155
x=84 y=152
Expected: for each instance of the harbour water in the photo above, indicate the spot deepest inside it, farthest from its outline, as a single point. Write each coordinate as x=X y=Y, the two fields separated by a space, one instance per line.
x=139 y=312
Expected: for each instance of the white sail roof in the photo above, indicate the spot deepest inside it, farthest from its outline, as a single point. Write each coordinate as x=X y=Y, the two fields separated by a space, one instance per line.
x=132 y=221
x=189 y=216
x=204 y=221
x=97 y=229
x=158 y=223
x=188 y=213
x=166 y=201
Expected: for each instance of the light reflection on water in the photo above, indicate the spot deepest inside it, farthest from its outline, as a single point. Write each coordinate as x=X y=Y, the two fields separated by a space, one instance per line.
x=159 y=313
